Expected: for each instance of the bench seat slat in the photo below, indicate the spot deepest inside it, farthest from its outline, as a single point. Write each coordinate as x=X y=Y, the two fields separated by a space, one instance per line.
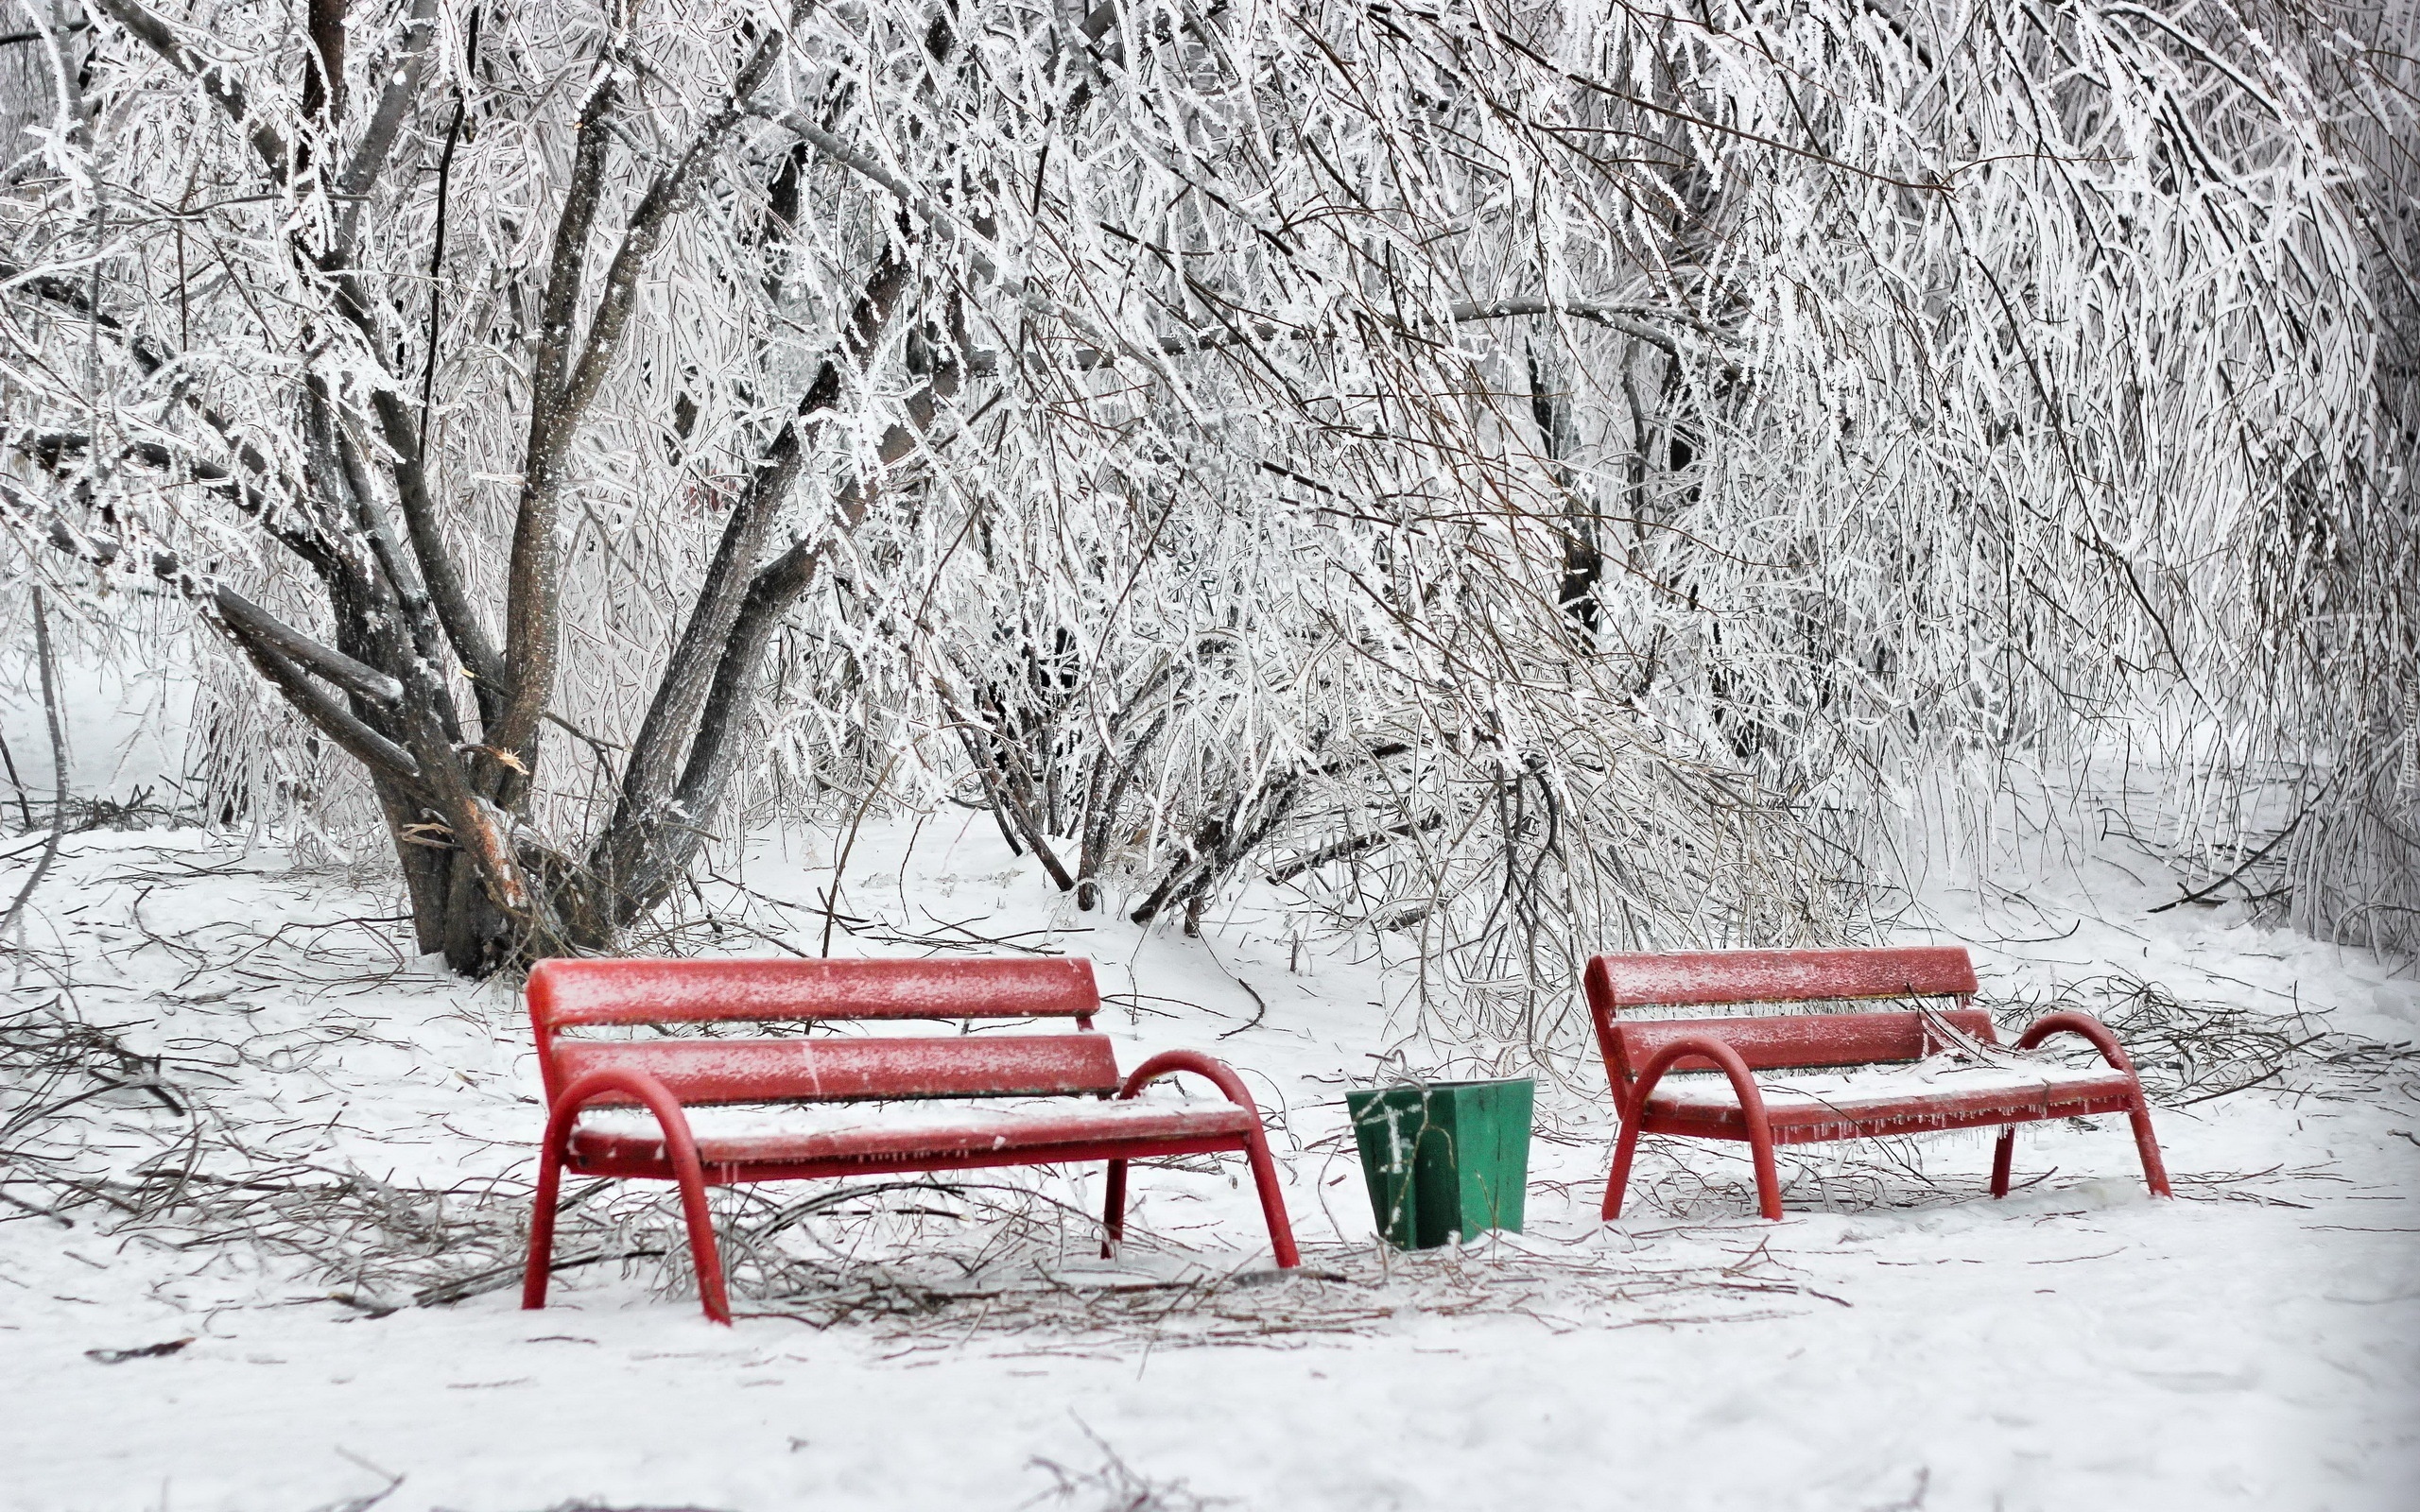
x=1833 y=1108
x=1927 y=1116
x=1223 y=1125
x=737 y=1173
x=841 y=1071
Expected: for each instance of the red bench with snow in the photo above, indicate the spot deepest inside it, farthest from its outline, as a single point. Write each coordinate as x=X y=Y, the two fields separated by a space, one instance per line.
x=1907 y=1071
x=623 y=1107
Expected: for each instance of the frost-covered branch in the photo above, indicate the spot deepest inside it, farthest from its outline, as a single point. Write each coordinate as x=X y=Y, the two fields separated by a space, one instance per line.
x=1529 y=479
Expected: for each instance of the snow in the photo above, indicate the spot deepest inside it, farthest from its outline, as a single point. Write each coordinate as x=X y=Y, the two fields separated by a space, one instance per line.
x=1898 y=1341
x=901 y=1120
x=125 y=729
x=1941 y=1075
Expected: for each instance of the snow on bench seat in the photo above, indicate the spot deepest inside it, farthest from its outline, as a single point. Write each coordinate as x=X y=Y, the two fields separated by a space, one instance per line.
x=1940 y=1093
x=789 y=1134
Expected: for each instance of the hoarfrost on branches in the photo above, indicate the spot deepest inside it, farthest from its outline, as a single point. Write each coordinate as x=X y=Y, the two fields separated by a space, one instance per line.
x=1532 y=478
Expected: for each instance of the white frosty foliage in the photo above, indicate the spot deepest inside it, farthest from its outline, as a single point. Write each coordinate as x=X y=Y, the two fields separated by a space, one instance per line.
x=1530 y=476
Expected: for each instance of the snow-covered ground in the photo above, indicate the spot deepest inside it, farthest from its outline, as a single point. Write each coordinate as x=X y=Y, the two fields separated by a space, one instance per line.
x=124 y=726
x=1898 y=1341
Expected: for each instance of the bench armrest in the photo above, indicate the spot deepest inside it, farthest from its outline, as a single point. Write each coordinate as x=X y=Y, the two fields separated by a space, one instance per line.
x=2069 y=1021
x=1169 y=1062
x=680 y=1148
x=1743 y=1082
x=679 y=1144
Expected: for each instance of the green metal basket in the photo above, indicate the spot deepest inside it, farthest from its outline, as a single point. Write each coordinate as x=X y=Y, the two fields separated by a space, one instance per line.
x=1444 y=1158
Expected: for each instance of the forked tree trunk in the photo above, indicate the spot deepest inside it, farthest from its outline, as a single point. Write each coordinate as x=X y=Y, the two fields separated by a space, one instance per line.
x=453 y=914
x=453 y=758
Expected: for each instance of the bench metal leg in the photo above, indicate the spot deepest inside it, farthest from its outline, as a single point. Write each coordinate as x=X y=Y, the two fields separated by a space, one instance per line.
x=1272 y=1200
x=687 y=1173
x=1264 y=1181
x=1618 y=1183
x=1112 y=1216
x=2146 y=1145
x=1760 y=1154
x=2155 y=1169
x=1263 y=1170
x=1760 y=1151
x=703 y=1253
x=2084 y=1024
x=1751 y=1113
x=542 y=1229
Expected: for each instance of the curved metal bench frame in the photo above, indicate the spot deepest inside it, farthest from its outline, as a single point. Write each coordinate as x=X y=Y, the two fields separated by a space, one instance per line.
x=668 y=1076
x=1638 y=1053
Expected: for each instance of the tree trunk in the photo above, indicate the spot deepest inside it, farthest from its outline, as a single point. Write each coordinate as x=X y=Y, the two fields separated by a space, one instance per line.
x=452 y=913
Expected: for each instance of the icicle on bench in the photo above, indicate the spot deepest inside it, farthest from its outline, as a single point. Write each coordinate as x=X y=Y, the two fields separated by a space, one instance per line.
x=1907 y=1071
x=624 y=1108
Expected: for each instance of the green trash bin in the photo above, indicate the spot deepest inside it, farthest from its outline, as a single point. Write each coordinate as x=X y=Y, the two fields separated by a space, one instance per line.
x=1444 y=1158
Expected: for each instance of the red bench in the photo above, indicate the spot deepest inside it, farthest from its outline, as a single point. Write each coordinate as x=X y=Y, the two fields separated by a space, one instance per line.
x=1975 y=1084
x=668 y=1076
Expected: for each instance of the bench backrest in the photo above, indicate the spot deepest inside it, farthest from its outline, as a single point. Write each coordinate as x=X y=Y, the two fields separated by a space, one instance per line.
x=568 y=994
x=1695 y=979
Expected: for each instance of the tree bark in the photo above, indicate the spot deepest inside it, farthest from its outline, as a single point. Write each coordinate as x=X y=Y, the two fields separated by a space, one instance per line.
x=323 y=70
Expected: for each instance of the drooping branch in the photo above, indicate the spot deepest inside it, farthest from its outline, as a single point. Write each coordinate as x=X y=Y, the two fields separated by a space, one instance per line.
x=1630 y=318
x=983 y=253
x=245 y=621
x=533 y=587
x=396 y=99
x=306 y=540
x=1703 y=123
x=312 y=544
x=437 y=568
x=324 y=66
x=19 y=39
x=148 y=354
x=330 y=717
x=217 y=84
x=47 y=664
x=731 y=697
x=667 y=196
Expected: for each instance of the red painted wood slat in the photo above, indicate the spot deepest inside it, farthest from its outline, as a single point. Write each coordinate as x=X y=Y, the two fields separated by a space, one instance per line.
x=700 y=1072
x=567 y=993
x=1223 y=1124
x=880 y=1164
x=1794 y=1123
x=1699 y=978
x=1793 y=1043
